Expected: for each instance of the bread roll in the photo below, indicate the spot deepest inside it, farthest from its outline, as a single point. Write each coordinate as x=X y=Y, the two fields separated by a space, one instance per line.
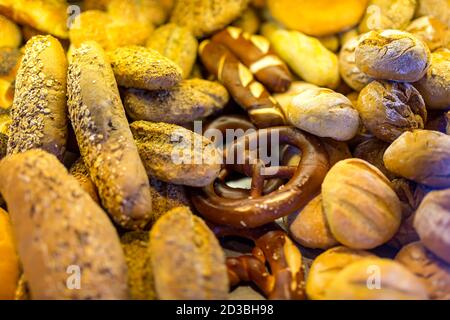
x=435 y=85
x=204 y=17
x=176 y=43
x=63 y=236
x=49 y=16
x=432 y=223
x=104 y=137
x=187 y=260
x=144 y=68
x=39 y=111
x=10 y=35
x=191 y=100
x=324 y=113
x=109 y=32
x=392 y=55
x=177 y=155
x=376 y=279
x=317 y=17
x=9 y=261
x=433 y=271
x=327 y=265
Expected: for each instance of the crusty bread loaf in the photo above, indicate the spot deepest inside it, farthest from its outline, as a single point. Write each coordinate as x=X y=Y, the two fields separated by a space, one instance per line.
x=61 y=232
x=49 y=16
x=39 y=111
x=9 y=261
x=104 y=137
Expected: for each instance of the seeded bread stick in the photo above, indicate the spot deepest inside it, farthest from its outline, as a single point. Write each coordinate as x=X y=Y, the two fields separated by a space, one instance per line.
x=105 y=140
x=39 y=112
x=67 y=245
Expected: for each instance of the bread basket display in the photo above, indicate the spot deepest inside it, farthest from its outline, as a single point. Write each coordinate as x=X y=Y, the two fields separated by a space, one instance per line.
x=225 y=150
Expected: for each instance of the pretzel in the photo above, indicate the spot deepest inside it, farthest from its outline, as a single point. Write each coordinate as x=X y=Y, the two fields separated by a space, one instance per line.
x=238 y=122
x=259 y=208
x=273 y=246
x=255 y=52
x=263 y=110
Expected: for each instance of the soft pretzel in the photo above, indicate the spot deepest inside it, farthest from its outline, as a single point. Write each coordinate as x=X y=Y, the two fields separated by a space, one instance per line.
x=39 y=112
x=285 y=280
x=259 y=208
x=255 y=52
x=104 y=137
x=251 y=95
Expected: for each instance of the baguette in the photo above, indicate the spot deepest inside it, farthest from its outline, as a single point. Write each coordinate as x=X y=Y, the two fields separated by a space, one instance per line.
x=59 y=228
x=39 y=112
x=104 y=137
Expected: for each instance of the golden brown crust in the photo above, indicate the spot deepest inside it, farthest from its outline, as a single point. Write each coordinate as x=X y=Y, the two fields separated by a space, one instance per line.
x=59 y=228
x=310 y=228
x=204 y=17
x=143 y=11
x=176 y=43
x=109 y=32
x=104 y=137
x=195 y=267
x=327 y=265
x=392 y=55
x=348 y=69
x=174 y=154
x=10 y=35
x=324 y=113
x=249 y=21
x=305 y=55
x=357 y=282
x=143 y=68
x=361 y=207
x=439 y=9
x=9 y=261
x=431 y=31
x=387 y=14
x=49 y=16
x=137 y=256
x=319 y=17
x=191 y=100
x=433 y=271
x=432 y=222
x=435 y=85
x=422 y=156
x=39 y=111
x=388 y=109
